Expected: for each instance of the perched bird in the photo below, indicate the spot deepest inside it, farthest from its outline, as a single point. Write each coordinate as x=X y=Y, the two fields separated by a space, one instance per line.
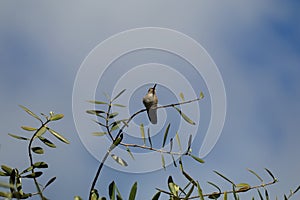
x=150 y=102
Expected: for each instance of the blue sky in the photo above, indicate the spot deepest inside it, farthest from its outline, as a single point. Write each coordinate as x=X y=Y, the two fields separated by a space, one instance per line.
x=255 y=45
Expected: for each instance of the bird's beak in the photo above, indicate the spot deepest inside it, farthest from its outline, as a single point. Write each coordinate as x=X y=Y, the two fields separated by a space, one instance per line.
x=154 y=87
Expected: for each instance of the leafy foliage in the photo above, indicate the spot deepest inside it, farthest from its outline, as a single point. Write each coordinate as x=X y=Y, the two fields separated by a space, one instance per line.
x=15 y=178
x=114 y=129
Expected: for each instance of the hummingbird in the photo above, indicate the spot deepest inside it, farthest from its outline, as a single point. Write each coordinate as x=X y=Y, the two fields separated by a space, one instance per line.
x=150 y=101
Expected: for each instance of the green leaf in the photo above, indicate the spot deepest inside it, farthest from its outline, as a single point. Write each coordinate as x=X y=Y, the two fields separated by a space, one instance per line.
x=30 y=113
x=243 y=187
x=142 y=130
x=38 y=150
x=251 y=171
x=266 y=194
x=28 y=128
x=188 y=177
x=171 y=144
x=270 y=173
x=112 y=190
x=119 y=105
x=189 y=144
x=27 y=170
x=174 y=162
x=112 y=115
x=166 y=135
x=201 y=96
x=298 y=188
x=5 y=194
x=33 y=175
x=118 y=95
x=149 y=137
x=133 y=190
x=40 y=165
x=174 y=188
x=224 y=177
x=260 y=196
x=97 y=102
x=58 y=136
x=6 y=185
x=163 y=161
x=7 y=169
x=197 y=158
x=189 y=192
x=41 y=131
x=115 y=125
x=99 y=133
x=77 y=198
x=50 y=182
x=235 y=195
x=225 y=195
x=156 y=196
x=119 y=160
x=95 y=112
x=178 y=141
x=94 y=195
x=116 y=142
x=18 y=137
x=12 y=179
x=185 y=117
x=214 y=195
x=47 y=142
x=129 y=152
x=200 y=193
x=181 y=96
x=3 y=174
x=215 y=186
x=56 y=117
x=19 y=185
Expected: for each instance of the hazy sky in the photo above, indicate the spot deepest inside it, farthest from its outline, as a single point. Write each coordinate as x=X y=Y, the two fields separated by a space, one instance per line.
x=255 y=45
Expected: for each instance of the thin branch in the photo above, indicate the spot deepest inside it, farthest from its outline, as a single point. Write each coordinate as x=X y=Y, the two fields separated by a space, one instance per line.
x=31 y=158
x=159 y=107
x=132 y=145
x=107 y=120
x=221 y=193
x=99 y=170
x=152 y=149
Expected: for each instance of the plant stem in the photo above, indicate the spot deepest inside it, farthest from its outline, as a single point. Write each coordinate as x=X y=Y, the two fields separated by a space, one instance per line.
x=99 y=170
x=31 y=159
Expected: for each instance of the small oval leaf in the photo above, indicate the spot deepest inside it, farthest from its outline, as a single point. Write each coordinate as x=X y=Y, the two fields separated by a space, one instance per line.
x=40 y=165
x=99 y=133
x=112 y=115
x=181 y=96
x=119 y=160
x=28 y=128
x=41 y=131
x=185 y=117
x=133 y=192
x=118 y=95
x=142 y=130
x=166 y=134
x=18 y=137
x=97 y=102
x=56 y=117
x=6 y=169
x=38 y=150
x=47 y=142
x=33 y=175
x=197 y=158
x=58 y=136
x=30 y=113
x=50 y=182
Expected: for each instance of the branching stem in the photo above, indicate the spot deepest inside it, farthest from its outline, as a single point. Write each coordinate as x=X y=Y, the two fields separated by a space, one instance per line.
x=31 y=158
